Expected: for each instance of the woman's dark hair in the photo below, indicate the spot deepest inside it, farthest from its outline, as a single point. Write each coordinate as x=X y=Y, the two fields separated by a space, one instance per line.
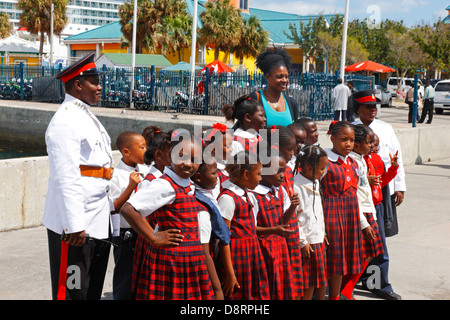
x=337 y=126
x=310 y=155
x=272 y=58
x=361 y=132
x=240 y=108
x=241 y=161
x=156 y=140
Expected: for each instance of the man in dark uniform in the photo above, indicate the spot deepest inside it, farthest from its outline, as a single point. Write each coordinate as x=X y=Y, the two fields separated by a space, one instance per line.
x=77 y=207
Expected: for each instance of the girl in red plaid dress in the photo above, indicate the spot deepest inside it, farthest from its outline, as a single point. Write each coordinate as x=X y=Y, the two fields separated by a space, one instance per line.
x=287 y=145
x=221 y=137
x=245 y=278
x=312 y=163
x=173 y=265
x=341 y=209
x=275 y=209
x=158 y=156
x=372 y=244
x=250 y=118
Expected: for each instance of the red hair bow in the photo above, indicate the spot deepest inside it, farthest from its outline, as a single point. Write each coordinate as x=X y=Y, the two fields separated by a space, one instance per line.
x=220 y=126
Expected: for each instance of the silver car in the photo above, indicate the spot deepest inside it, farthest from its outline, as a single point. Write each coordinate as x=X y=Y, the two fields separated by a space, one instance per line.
x=384 y=95
x=442 y=96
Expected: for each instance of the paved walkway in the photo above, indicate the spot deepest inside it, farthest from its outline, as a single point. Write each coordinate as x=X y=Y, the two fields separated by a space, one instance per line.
x=420 y=256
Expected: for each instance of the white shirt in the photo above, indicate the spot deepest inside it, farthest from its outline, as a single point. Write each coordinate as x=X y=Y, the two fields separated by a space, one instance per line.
x=340 y=96
x=251 y=135
x=74 y=202
x=389 y=145
x=204 y=218
x=226 y=202
x=332 y=156
x=291 y=163
x=364 y=191
x=119 y=182
x=151 y=170
x=309 y=211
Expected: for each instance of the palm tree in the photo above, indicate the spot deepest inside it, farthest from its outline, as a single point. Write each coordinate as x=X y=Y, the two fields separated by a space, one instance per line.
x=126 y=20
x=36 y=17
x=175 y=33
x=253 y=39
x=221 y=26
x=5 y=25
x=150 y=16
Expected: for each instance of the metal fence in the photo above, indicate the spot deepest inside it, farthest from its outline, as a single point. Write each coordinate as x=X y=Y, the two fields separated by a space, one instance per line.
x=171 y=91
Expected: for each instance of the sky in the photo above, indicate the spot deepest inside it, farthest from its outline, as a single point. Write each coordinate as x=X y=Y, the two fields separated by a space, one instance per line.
x=412 y=12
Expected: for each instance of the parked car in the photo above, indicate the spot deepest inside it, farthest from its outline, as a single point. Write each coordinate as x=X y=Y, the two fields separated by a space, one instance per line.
x=392 y=86
x=384 y=95
x=442 y=96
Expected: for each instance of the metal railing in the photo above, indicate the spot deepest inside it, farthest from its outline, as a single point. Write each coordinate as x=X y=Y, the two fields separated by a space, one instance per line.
x=170 y=91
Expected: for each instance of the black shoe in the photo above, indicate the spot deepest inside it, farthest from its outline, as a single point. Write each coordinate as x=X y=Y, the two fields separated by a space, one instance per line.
x=386 y=295
x=428 y=122
x=419 y=121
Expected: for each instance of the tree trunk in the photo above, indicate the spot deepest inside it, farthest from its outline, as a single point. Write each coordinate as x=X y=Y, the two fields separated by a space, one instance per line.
x=41 y=48
x=216 y=53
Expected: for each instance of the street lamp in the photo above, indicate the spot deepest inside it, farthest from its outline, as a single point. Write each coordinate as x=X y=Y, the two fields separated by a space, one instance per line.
x=344 y=40
x=193 y=51
x=133 y=52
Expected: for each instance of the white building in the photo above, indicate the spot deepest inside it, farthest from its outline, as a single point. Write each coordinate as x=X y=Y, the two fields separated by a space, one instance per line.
x=83 y=15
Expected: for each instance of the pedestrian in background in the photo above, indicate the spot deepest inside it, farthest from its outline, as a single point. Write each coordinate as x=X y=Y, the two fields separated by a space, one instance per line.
x=428 y=103
x=350 y=112
x=340 y=96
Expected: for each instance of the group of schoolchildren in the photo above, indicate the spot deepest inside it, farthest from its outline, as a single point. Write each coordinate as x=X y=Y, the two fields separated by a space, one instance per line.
x=227 y=227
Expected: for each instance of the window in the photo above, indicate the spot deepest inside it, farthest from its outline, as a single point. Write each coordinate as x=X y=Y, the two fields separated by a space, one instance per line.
x=442 y=87
x=243 y=4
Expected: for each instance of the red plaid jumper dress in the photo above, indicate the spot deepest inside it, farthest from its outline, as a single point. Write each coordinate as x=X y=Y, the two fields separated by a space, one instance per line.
x=293 y=240
x=341 y=215
x=274 y=247
x=246 y=255
x=222 y=177
x=248 y=144
x=177 y=272
x=140 y=247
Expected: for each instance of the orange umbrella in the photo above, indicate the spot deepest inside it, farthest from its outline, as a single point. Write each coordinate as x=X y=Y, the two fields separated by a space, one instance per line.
x=218 y=67
x=369 y=66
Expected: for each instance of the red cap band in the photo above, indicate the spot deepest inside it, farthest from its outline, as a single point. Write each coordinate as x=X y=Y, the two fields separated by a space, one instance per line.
x=366 y=99
x=76 y=72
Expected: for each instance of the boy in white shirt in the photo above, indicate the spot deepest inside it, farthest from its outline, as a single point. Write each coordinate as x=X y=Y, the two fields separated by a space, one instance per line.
x=127 y=175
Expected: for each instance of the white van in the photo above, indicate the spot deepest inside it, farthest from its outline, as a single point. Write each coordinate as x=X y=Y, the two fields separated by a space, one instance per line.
x=442 y=96
x=392 y=86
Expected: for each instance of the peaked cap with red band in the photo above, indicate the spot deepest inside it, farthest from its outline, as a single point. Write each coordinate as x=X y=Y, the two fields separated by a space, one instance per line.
x=365 y=97
x=84 y=67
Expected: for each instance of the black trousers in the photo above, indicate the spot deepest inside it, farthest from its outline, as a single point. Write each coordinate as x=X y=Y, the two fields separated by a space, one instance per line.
x=428 y=108
x=77 y=273
x=123 y=269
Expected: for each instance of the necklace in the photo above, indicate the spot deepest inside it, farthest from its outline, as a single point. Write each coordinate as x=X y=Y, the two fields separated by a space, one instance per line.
x=275 y=104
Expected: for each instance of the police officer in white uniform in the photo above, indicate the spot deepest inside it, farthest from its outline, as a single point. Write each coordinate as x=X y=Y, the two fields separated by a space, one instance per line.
x=78 y=208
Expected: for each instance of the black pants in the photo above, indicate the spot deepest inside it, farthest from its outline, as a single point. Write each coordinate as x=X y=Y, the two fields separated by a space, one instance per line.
x=428 y=108
x=77 y=273
x=123 y=258
x=410 y=112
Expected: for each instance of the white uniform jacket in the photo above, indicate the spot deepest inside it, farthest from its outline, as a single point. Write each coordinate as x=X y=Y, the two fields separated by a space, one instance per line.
x=75 y=203
x=389 y=145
